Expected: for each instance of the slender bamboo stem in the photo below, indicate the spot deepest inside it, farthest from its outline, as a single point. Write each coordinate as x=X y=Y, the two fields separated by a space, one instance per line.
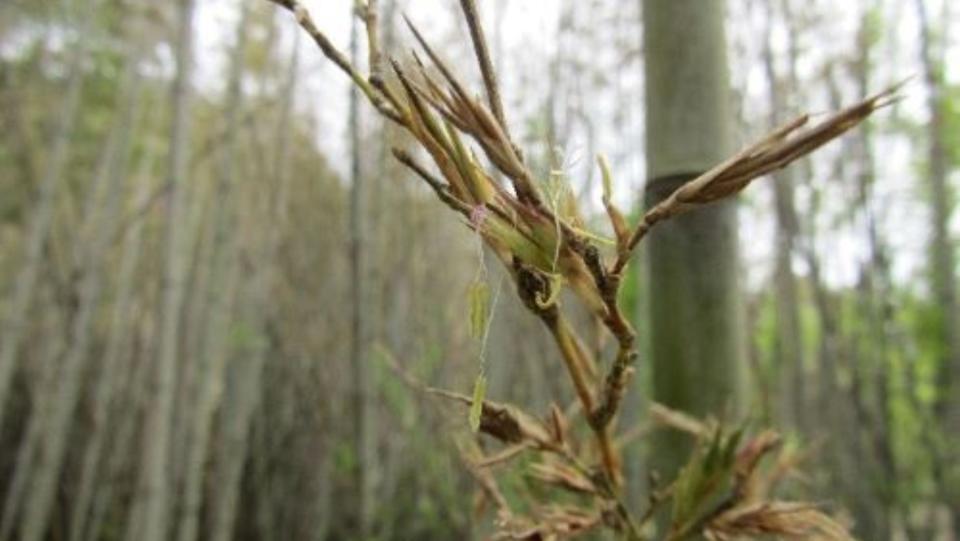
x=371 y=19
x=483 y=59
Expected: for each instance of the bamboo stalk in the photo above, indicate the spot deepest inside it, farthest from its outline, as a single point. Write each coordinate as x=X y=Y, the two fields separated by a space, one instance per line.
x=483 y=59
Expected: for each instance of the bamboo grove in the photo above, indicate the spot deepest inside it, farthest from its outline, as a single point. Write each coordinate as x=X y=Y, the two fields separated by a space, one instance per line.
x=448 y=269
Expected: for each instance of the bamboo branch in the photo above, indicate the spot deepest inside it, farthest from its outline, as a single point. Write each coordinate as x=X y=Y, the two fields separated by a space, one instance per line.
x=538 y=245
x=331 y=52
x=371 y=18
x=486 y=129
x=443 y=193
x=532 y=286
x=775 y=151
x=483 y=59
x=615 y=383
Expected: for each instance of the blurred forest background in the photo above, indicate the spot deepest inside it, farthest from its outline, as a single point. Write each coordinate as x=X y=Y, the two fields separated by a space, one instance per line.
x=207 y=254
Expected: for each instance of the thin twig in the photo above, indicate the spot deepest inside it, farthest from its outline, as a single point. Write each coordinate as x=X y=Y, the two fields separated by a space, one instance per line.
x=505 y=455
x=471 y=117
x=331 y=52
x=483 y=59
x=443 y=193
x=657 y=498
x=371 y=19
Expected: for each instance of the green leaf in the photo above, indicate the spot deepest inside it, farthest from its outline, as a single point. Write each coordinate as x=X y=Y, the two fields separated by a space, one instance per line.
x=478 y=185
x=476 y=407
x=479 y=299
x=606 y=176
x=517 y=242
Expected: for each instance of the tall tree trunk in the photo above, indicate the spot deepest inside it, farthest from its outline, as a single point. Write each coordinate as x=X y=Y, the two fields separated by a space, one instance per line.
x=789 y=341
x=859 y=460
x=112 y=367
x=200 y=228
x=17 y=316
x=223 y=271
x=942 y=258
x=377 y=274
x=210 y=391
x=126 y=412
x=694 y=288
x=49 y=356
x=153 y=491
x=244 y=375
x=876 y=292
x=242 y=391
x=97 y=236
x=359 y=327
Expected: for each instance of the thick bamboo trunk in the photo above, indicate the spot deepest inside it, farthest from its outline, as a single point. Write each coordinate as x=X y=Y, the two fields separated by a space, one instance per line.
x=49 y=355
x=104 y=205
x=112 y=369
x=126 y=412
x=154 y=483
x=17 y=317
x=244 y=396
x=694 y=294
x=210 y=395
x=223 y=269
x=204 y=207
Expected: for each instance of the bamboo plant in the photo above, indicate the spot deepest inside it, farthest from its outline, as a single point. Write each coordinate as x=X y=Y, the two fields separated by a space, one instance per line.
x=722 y=492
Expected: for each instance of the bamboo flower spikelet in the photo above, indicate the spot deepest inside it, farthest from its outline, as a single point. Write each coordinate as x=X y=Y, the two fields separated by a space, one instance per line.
x=722 y=493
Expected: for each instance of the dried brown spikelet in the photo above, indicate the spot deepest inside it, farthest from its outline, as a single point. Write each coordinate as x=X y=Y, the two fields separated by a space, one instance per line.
x=553 y=522
x=789 y=520
x=775 y=151
x=504 y=422
x=555 y=473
